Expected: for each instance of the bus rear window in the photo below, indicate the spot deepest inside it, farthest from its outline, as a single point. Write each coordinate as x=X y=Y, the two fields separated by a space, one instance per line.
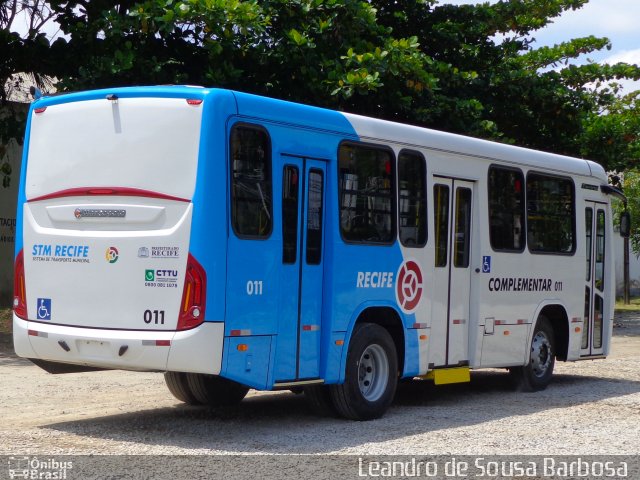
x=251 y=210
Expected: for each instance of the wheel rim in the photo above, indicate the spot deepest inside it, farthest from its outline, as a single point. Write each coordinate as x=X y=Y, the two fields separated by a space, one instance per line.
x=373 y=372
x=541 y=354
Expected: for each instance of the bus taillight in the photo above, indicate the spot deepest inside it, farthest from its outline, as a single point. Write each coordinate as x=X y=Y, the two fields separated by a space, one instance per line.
x=19 y=289
x=193 y=296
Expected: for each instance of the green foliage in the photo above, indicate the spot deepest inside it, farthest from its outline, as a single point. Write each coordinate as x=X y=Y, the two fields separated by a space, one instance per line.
x=471 y=69
x=614 y=138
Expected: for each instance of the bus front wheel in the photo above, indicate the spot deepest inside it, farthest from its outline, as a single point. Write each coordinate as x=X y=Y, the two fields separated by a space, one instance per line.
x=216 y=391
x=371 y=374
x=536 y=374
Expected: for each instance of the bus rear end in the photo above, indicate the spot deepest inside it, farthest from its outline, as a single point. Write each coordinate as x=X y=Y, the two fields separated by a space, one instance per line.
x=104 y=276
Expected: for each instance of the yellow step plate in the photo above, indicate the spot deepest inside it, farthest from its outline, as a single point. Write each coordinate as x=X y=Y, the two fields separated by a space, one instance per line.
x=444 y=376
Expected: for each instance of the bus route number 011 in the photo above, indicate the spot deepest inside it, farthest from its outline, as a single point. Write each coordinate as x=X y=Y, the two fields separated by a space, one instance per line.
x=155 y=316
x=254 y=287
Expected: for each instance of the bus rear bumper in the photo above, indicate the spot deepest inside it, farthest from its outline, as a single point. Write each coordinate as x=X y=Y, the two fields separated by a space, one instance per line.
x=198 y=350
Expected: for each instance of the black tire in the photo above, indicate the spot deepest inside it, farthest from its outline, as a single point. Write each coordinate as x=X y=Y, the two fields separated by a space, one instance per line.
x=216 y=391
x=319 y=399
x=179 y=387
x=536 y=375
x=371 y=374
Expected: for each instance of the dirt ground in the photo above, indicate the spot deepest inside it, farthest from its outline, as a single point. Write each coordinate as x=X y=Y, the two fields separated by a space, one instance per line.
x=592 y=407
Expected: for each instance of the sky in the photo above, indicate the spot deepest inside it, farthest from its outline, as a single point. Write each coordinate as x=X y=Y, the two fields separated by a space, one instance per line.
x=615 y=19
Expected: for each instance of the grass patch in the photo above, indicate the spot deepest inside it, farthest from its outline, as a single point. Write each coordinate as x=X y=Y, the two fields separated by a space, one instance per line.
x=634 y=305
x=5 y=320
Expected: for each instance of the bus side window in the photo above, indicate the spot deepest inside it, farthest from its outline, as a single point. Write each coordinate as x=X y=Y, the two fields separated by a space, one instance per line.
x=550 y=214
x=412 y=198
x=462 y=228
x=600 y=251
x=314 y=217
x=366 y=194
x=441 y=223
x=506 y=209
x=289 y=214
x=251 y=182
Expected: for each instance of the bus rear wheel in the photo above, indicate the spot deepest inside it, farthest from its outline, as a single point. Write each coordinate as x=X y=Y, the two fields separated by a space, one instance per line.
x=319 y=399
x=536 y=375
x=179 y=387
x=215 y=391
x=371 y=374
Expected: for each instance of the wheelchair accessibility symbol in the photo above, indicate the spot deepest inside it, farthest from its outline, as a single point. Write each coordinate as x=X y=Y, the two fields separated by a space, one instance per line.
x=409 y=286
x=44 y=309
x=486 y=264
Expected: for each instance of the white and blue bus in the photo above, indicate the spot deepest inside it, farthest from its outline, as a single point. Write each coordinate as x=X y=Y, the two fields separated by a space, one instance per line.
x=234 y=242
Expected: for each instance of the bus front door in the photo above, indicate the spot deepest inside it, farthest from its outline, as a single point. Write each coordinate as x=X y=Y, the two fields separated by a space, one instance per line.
x=300 y=298
x=452 y=207
x=594 y=312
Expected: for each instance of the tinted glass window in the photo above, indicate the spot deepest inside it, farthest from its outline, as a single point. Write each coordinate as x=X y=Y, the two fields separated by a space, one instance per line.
x=588 y=219
x=412 y=199
x=462 y=228
x=598 y=312
x=314 y=217
x=550 y=214
x=250 y=182
x=366 y=183
x=587 y=316
x=506 y=209
x=600 y=252
x=441 y=223
x=289 y=214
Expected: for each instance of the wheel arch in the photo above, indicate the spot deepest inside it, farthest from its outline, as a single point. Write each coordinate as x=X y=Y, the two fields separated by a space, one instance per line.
x=385 y=315
x=556 y=313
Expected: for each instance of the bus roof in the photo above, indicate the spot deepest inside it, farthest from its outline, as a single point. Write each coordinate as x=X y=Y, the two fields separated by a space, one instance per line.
x=376 y=130
x=366 y=128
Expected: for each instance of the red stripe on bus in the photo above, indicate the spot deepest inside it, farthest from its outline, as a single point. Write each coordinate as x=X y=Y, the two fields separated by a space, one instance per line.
x=107 y=191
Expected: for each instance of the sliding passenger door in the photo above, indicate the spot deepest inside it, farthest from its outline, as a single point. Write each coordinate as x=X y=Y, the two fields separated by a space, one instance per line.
x=300 y=298
x=452 y=205
x=594 y=314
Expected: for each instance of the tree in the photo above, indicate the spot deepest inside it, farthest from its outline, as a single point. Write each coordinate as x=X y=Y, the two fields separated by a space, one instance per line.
x=327 y=53
x=613 y=137
x=470 y=69
x=24 y=54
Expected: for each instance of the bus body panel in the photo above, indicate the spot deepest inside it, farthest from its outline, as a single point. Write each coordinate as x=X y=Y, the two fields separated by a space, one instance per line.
x=106 y=232
x=145 y=350
x=148 y=143
x=209 y=230
x=95 y=258
x=106 y=273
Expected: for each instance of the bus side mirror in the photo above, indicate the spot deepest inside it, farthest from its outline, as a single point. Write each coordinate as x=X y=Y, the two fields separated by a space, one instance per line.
x=625 y=224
